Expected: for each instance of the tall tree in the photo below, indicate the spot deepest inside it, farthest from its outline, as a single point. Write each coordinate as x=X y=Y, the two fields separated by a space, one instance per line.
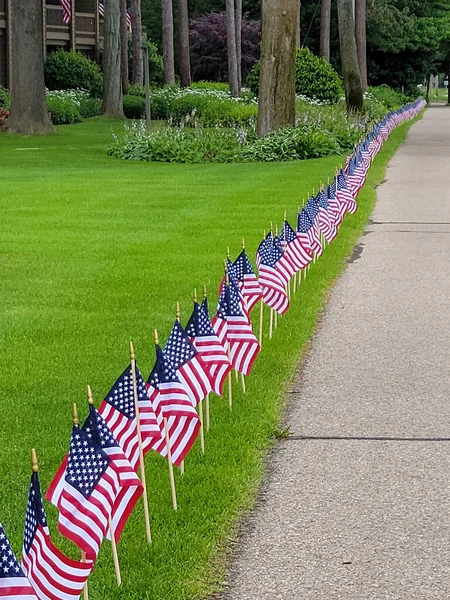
x=232 y=51
x=112 y=93
x=185 y=50
x=124 y=45
x=349 y=56
x=136 y=42
x=29 y=112
x=167 y=42
x=277 y=79
x=238 y=18
x=299 y=25
x=325 y=28
x=361 y=39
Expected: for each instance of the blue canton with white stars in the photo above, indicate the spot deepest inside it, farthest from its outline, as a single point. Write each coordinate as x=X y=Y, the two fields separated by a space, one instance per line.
x=304 y=223
x=199 y=324
x=265 y=252
x=205 y=308
x=323 y=202
x=287 y=233
x=179 y=349
x=9 y=566
x=341 y=181
x=243 y=266
x=277 y=249
x=35 y=515
x=331 y=191
x=229 y=303
x=163 y=371
x=312 y=208
x=87 y=463
x=121 y=395
x=98 y=430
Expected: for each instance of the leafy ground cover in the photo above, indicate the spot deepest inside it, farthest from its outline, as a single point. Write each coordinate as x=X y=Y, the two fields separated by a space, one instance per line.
x=95 y=252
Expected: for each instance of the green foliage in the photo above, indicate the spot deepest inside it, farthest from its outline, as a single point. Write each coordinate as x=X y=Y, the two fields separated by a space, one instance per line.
x=314 y=78
x=90 y=107
x=292 y=143
x=155 y=64
x=63 y=110
x=136 y=89
x=388 y=96
x=373 y=108
x=133 y=106
x=5 y=97
x=68 y=70
x=178 y=145
x=210 y=85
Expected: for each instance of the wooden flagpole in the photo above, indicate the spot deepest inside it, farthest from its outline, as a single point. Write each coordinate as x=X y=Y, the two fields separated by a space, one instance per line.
x=114 y=553
x=178 y=318
x=261 y=317
x=271 y=323
x=207 y=397
x=230 y=381
x=141 y=452
x=200 y=406
x=169 y=452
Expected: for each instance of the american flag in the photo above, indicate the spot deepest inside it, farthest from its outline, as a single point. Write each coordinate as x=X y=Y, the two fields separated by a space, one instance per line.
x=248 y=281
x=306 y=231
x=326 y=220
x=53 y=575
x=235 y=331
x=354 y=180
x=13 y=583
x=67 y=10
x=188 y=364
x=236 y=286
x=334 y=204
x=210 y=349
x=272 y=285
x=172 y=402
x=101 y=12
x=299 y=254
x=131 y=487
x=91 y=487
x=119 y=412
x=284 y=265
x=312 y=210
x=344 y=195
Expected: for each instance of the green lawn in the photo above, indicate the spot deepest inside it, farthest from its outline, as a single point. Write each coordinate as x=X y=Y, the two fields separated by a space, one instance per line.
x=95 y=252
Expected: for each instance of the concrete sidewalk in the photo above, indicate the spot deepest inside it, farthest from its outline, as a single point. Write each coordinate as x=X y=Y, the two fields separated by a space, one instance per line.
x=360 y=510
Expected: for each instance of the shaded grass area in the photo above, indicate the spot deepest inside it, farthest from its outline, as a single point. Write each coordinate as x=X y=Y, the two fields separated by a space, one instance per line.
x=95 y=252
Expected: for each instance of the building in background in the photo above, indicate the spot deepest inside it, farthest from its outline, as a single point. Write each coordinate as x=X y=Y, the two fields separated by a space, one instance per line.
x=84 y=33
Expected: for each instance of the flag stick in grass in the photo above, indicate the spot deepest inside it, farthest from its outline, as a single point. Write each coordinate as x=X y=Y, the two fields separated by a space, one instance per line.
x=208 y=416
x=200 y=404
x=178 y=318
x=169 y=453
x=261 y=317
x=141 y=452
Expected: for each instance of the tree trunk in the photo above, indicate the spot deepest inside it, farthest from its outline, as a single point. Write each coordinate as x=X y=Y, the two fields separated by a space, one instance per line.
x=325 y=26
x=231 y=46
x=29 y=112
x=277 y=79
x=238 y=18
x=299 y=23
x=185 y=60
x=112 y=94
x=349 y=56
x=124 y=45
x=136 y=42
x=167 y=42
x=361 y=41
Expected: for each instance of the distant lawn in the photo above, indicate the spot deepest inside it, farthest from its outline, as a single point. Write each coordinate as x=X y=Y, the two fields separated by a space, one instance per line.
x=95 y=252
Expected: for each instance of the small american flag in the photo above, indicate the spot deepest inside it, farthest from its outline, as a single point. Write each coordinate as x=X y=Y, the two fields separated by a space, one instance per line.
x=249 y=283
x=188 y=364
x=101 y=12
x=312 y=209
x=326 y=221
x=131 y=487
x=171 y=401
x=210 y=349
x=334 y=204
x=13 y=583
x=354 y=179
x=299 y=254
x=67 y=10
x=272 y=285
x=91 y=487
x=53 y=575
x=345 y=195
x=284 y=265
x=306 y=231
x=235 y=332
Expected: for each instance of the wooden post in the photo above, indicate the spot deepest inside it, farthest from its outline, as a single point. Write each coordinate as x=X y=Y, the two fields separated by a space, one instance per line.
x=141 y=451
x=261 y=317
x=85 y=588
x=230 y=381
x=178 y=318
x=207 y=412
x=271 y=324
x=114 y=553
x=169 y=452
x=202 y=432
x=243 y=382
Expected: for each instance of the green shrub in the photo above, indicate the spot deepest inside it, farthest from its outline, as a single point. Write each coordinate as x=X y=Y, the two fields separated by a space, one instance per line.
x=178 y=145
x=69 y=70
x=314 y=78
x=373 y=108
x=210 y=85
x=133 y=106
x=63 y=110
x=136 y=89
x=5 y=98
x=388 y=96
x=90 y=107
x=291 y=143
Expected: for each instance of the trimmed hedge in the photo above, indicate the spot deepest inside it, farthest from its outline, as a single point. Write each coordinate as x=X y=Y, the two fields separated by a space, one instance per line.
x=70 y=70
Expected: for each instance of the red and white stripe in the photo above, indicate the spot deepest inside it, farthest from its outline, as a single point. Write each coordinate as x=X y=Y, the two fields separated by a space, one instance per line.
x=67 y=10
x=327 y=225
x=236 y=333
x=215 y=358
x=53 y=575
x=273 y=288
x=194 y=376
x=16 y=588
x=251 y=290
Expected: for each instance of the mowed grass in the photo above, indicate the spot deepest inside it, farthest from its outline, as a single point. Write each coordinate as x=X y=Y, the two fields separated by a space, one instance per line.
x=95 y=252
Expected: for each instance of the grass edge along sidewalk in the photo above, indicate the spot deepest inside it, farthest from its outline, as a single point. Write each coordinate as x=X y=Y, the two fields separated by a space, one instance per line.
x=162 y=571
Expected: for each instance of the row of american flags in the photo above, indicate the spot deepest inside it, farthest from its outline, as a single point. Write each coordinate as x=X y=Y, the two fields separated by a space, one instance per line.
x=101 y=478
x=69 y=9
